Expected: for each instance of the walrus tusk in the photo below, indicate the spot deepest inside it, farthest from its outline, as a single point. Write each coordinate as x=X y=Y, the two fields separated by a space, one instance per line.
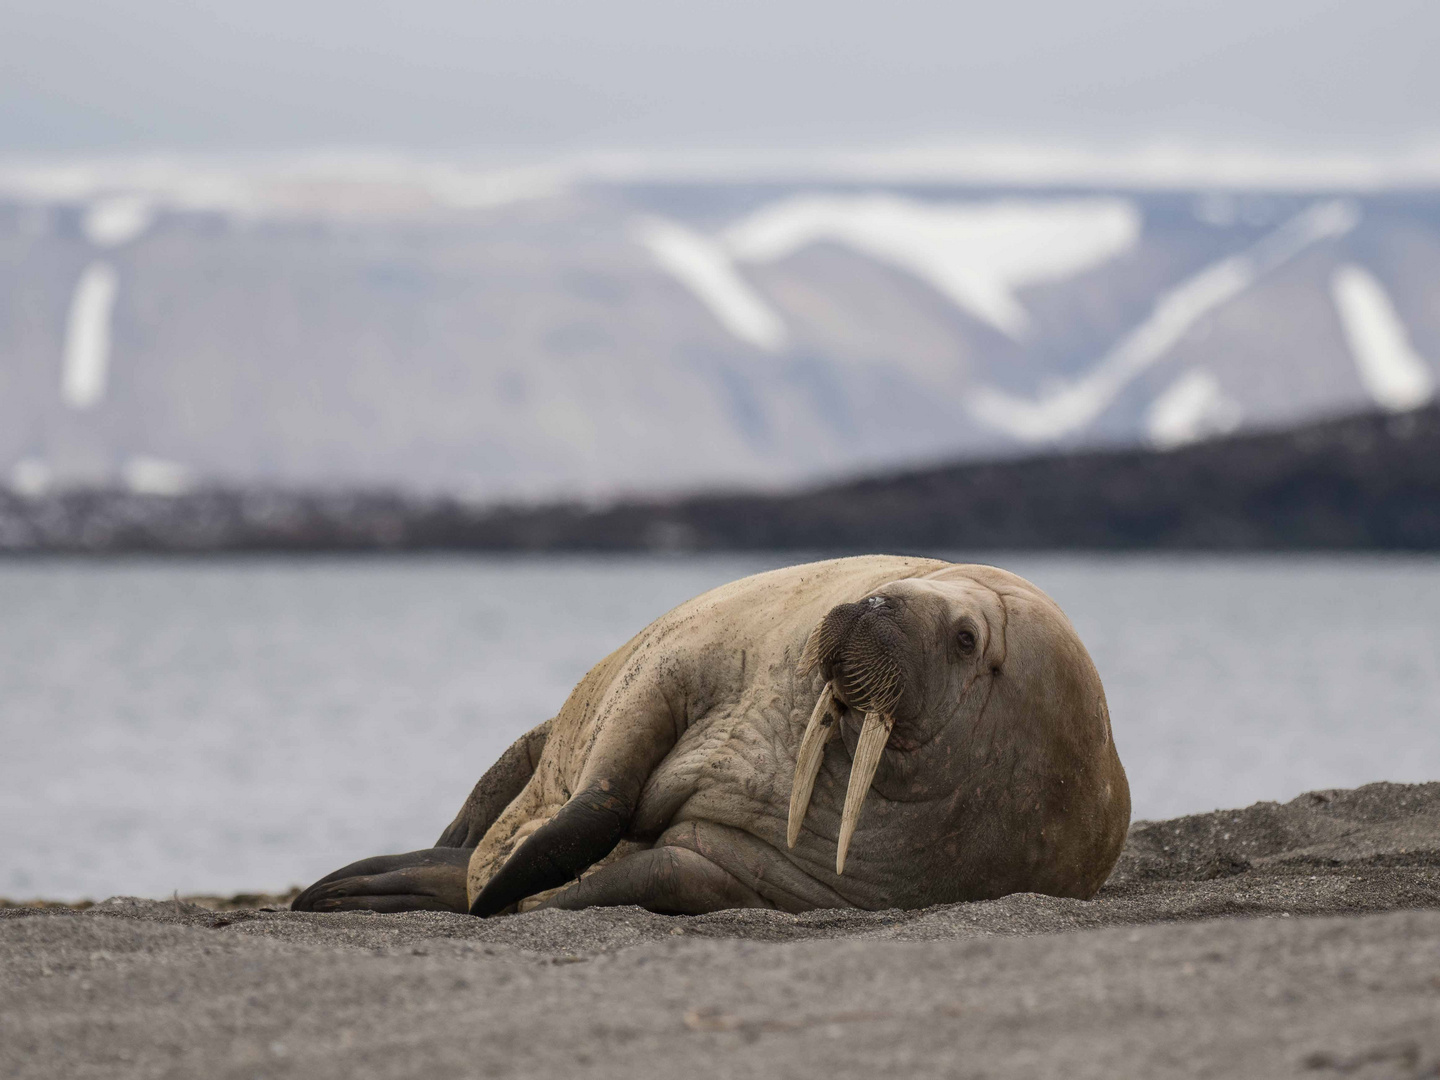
x=819 y=731
x=874 y=734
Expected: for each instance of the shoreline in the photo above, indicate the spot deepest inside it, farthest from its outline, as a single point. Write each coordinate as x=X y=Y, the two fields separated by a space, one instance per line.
x=1397 y=824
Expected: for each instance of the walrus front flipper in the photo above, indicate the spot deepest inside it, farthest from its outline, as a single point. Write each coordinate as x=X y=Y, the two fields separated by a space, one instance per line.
x=668 y=880
x=432 y=879
x=617 y=725
x=582 y=832
x=496 y=789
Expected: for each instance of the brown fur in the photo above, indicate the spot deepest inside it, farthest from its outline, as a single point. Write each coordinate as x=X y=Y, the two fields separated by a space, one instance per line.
x=1002 y=776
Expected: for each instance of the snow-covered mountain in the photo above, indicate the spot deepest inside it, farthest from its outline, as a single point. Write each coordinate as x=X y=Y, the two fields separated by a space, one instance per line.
x=532 y=332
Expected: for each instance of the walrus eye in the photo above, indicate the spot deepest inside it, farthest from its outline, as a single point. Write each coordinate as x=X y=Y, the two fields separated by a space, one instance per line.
x=966 y=640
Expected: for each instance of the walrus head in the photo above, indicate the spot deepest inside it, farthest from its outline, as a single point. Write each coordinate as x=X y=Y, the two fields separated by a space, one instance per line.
x=905 y=657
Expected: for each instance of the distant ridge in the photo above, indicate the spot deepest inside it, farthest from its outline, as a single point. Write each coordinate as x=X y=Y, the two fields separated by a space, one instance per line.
x=1366 y=482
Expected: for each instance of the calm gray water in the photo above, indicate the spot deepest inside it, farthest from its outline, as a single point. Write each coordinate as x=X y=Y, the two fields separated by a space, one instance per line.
x=237 y=725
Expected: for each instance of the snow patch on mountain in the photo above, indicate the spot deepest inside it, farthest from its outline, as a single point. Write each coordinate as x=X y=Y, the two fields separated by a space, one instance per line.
x=1167 y=165
x=1392 y=372
x=704 y=267
x=1191 y=408
x=349 y=183
x=116 y=220
x=316 y=185
x=1071 y=408
x=87 y=336
x=978 y=254
x=30 y=477
x=156 y=476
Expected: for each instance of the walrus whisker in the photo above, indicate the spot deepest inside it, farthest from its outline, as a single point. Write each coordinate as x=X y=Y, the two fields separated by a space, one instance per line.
x=873 y=688
x=819 y=731
x=874 y=734
x=814 y=650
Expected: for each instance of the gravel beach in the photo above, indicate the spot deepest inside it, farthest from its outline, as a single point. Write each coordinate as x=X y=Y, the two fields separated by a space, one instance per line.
x=1279 y=940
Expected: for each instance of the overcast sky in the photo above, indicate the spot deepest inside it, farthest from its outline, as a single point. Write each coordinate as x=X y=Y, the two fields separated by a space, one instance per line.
x=548 y=75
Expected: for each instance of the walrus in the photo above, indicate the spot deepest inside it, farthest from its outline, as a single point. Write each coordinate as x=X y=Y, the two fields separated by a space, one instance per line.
x=872 y=732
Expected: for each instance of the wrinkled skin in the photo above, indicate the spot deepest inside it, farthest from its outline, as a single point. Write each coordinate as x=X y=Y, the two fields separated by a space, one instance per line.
x=665 y=780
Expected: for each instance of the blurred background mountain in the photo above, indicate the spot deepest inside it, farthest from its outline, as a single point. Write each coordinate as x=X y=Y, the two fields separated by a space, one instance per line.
x=546 y=332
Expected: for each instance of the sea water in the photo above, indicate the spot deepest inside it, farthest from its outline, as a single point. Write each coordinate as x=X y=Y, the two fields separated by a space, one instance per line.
x=226 y=725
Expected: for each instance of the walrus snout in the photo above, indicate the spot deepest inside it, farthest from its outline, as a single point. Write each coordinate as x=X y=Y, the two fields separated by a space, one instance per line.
x=862 y=651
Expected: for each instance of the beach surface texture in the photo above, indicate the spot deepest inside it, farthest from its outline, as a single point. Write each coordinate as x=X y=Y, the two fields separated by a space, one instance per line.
x=1300 y=939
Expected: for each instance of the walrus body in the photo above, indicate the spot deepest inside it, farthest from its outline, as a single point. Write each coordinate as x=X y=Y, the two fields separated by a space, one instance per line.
x=925 y=732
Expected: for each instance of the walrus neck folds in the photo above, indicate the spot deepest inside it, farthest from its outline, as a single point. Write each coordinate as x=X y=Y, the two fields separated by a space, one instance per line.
x=855 y=647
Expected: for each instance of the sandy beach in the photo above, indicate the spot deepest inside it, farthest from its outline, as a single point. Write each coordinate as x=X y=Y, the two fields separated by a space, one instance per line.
x=1279 y=940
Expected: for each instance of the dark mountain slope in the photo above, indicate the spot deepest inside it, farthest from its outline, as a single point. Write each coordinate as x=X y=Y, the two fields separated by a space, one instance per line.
x=1362 y=482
